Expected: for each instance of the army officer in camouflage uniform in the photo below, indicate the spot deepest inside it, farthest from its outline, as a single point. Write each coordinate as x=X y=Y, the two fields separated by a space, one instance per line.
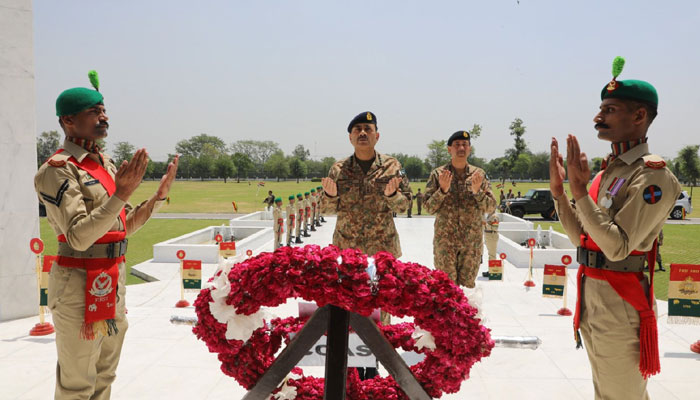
x=459 y=195
x=363 y=190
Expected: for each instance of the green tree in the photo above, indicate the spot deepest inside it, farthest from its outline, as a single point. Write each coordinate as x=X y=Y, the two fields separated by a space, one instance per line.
x=244 y=165
x=195 y=145
x=517 y=129
x=301 y=152
x=297 y=168
x=224 y=167
x=326 y=163
x=539 y=166
x=437 y=154
x=414 y=167
x=277 y=166
x=521 y=165
x=475 y=132
x=123 y=151
x=258 y=151
x=202 y=166
x=689 y=165
x=596 y=164
x=157 y=169
x=46 y=144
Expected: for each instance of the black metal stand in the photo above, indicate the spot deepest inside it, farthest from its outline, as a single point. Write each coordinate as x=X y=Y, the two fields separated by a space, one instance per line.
x=335 y=321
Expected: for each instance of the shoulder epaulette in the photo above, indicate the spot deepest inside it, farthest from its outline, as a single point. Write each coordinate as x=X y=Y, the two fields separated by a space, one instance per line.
x=58 y=160
x=654 y=162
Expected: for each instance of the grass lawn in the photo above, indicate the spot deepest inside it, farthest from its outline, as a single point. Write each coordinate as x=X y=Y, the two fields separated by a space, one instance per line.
x=141 y=243
x=680 y=247
x=216 y=196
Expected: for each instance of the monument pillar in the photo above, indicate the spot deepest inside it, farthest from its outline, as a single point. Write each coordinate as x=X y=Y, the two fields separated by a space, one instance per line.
x=19 y=206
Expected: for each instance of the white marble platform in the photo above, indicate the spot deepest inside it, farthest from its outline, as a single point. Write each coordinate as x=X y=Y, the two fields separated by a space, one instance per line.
x=161 y=360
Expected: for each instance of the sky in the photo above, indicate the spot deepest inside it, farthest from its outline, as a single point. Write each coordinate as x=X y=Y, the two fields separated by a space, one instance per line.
x=296 y=72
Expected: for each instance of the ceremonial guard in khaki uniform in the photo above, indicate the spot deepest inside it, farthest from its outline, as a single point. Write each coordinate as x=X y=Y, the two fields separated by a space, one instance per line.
x=278 y=221
x=319 y=193
x=291 y=217
x=459 y=194
x=300 y=216
x=363 y=190
x=491 y=235
x=307 y=214
x=615 y=223
x=419 y=201
x=86 y=196
x=314 y=209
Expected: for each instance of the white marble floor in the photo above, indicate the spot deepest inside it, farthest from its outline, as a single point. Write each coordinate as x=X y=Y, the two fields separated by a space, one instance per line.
x=161 y=360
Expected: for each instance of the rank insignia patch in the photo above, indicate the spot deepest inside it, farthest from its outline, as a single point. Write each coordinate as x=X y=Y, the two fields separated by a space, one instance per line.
x=59 y=195
x=652 y=194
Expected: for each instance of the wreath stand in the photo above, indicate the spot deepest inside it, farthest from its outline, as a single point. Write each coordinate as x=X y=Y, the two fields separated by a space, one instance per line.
x=336 y=321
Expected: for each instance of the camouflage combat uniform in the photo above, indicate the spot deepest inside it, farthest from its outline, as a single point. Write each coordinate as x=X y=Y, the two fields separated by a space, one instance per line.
x=364 y=213
x=458 y=240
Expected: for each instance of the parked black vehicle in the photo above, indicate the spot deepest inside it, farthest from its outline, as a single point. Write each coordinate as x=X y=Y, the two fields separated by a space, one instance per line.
x=535 y=201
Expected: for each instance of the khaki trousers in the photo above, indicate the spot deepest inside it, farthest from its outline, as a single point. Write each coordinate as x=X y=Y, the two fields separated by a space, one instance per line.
x=610 y=331
x=492 y=244
x=85 y=368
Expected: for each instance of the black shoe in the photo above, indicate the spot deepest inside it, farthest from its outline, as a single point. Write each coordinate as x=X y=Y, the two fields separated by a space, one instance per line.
x=410 y=216
x=298 y=240
x=323 y=219
x=313 y=228
x=661 y=269
x=306 y=234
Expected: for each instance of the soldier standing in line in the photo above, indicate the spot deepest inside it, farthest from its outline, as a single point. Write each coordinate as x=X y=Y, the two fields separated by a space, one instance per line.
x=86 y=197
x=491 y=236
x=307 y=214
x=419 y=201
x=459 y=194
x=278 y=222
x=314 y=209
x=291 y=217
x=616 y=223
x=300 y=216
x=319 y=193
x=409 y=210
x=363 y=190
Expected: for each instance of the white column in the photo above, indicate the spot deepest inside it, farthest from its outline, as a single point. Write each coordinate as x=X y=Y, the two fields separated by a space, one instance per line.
x=19 y=214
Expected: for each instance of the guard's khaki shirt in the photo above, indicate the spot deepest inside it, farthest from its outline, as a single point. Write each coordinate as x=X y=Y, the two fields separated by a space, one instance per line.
x=634 y=215
x=365 y=219
x=78 y=206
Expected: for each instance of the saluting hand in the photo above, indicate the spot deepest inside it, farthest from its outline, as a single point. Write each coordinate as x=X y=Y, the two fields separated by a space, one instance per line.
x=329 y=186
x=477 y=180
x=392 y=186
x=557 y=172
x=445 y=180
x=167 y=180
x=577 y=166
x=130 y=174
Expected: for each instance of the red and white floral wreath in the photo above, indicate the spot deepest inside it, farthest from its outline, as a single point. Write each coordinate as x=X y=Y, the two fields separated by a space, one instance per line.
x=445 y=329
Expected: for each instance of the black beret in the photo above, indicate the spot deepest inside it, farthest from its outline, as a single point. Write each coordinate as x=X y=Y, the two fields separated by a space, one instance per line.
x=363 y=118
x=459 y=135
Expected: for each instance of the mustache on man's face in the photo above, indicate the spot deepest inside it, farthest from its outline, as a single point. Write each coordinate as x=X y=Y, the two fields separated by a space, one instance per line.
x=102 y=125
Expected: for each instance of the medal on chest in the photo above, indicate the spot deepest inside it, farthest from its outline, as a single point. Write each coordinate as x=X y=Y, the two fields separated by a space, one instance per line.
x=611 y=192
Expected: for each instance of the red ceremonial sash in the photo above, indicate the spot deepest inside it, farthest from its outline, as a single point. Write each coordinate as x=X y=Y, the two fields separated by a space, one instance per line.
x=280 y=221
x=628 y=286
x=102 y=273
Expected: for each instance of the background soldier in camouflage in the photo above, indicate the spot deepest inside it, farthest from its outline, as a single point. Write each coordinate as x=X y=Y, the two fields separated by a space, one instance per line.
x=363 y=190
x=299 y=209
x=291 y=217
x=278 y=222
x=459 y=194
x=409 y=210
x=419 y=201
